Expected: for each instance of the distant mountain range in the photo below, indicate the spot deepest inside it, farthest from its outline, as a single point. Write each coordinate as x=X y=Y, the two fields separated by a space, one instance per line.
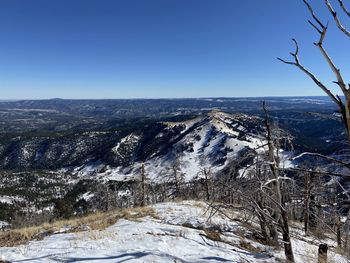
x=53 y=134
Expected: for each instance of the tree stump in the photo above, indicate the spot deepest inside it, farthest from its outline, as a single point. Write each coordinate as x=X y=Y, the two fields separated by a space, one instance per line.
x=322 y=253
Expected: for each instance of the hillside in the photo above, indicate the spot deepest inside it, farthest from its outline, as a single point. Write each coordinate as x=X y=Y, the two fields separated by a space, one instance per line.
x=214 y=136
x=185 y=231
x=214 y=140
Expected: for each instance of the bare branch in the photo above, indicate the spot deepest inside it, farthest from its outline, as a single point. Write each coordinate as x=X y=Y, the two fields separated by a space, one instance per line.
x=276 y=202
x=287 y=62
x=311 y=75
x=279 y=178
x=344 y=190
x=295 y=169
x=314 y=26
x=335 y=16
x=347 y=165
x=313 y=14
x=272 y=220
x=346 y=11
x=323 y=32
x=296 y=47
x=340 y=81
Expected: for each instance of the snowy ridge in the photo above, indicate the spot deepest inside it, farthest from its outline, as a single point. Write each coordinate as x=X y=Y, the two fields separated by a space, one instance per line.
x=130 y=139
x=213 y=140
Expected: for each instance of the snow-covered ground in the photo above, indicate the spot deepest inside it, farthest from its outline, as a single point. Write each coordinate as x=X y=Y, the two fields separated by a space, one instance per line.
x=179 y=233
x=4 y=225
x=9 y=199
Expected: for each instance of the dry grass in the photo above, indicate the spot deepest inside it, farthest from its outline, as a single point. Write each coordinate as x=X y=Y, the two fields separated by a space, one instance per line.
x=212 y=235
x=96 y=221
x=248 y=246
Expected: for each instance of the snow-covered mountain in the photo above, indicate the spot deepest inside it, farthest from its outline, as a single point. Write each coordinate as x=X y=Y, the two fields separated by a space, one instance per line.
x=210 y=139
x=214 y=141
x=40 y=170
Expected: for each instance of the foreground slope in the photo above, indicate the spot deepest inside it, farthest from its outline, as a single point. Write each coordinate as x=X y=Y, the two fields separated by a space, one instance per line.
x=176 y=232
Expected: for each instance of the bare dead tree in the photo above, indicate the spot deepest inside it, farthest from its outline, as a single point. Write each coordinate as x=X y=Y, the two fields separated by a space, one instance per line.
x=261 y=191
x=175 y=178
x=307 y=185
x=282 y=210
x=321 y=28
x=207 y=175
x=343 y=104
x=105 y=198
x=144 y=185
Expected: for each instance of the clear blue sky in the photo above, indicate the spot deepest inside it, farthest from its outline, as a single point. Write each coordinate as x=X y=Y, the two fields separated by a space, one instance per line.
x=159 y=48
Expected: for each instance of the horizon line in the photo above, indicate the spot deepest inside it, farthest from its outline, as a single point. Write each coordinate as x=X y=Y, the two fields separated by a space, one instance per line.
x=171 y=98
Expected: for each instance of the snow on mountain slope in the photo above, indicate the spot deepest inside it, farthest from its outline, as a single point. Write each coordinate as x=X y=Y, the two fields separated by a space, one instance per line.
x=213 y=140
x=180 y=232
x=126 y=144
x=9 y=199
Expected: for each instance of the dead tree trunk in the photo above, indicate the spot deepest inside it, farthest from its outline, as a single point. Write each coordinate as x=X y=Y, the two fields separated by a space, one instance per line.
x=282 y=212
x=339 y=241
x=288 y=251
x=143 y=185
x=262 y=221
x=307 y=202
x=322 y=253
x=207 y=175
